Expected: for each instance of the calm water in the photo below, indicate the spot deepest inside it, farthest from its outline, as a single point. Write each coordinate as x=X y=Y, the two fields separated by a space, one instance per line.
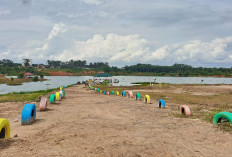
x=57 y=81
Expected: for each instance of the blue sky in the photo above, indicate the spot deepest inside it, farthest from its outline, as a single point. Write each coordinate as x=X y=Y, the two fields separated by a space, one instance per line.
x=121 y=32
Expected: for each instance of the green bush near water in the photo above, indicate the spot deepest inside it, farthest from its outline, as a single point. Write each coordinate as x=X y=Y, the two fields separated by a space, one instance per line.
x=24 y=96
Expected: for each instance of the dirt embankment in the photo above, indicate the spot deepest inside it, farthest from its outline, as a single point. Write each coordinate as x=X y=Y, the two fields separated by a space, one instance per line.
x=87 y=123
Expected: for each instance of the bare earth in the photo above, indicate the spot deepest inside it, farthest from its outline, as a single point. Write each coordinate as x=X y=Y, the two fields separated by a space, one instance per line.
x=87 y=123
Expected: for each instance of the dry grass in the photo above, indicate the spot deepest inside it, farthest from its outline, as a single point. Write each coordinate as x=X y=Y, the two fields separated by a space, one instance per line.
x=204 y=100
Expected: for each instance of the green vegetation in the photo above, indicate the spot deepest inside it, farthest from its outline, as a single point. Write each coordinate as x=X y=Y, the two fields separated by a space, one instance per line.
x=24 y=96
x=81 y=66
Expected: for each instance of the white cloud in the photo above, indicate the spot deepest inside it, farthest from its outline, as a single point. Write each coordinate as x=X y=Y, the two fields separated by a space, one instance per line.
x=96 y=2
x=123 y=50
x=57 y=29
x=5 y=12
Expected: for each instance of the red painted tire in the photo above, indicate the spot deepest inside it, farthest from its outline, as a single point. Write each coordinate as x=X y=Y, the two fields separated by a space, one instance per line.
x=184 y=109
x=43 y=104
x=130 y=94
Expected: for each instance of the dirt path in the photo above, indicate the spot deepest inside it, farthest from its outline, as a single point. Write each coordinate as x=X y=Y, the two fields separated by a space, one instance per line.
x=87 y=123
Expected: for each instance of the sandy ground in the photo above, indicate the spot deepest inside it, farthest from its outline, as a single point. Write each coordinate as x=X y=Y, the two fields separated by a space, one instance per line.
x=87 y=123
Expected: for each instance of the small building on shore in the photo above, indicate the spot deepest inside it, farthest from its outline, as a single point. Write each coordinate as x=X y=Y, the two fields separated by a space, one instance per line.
x=28 y=75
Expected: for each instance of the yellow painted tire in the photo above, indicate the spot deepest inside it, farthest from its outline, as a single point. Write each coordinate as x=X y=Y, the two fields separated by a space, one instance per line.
x=147 y=99
x=117 y=93
x=57 y=96
x=4 y=128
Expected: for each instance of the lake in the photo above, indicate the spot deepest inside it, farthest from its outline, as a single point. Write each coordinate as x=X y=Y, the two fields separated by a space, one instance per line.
x=57 y=81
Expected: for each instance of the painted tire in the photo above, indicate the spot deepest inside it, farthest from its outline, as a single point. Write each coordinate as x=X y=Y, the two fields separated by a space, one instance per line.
x=108 y=93
x=184 y=109
x=4 y=128
x=138 y=96
x=147 y=99
x=117 y=93
x=93 y=88
x=63 y=86
x=52 y=98
x=43 y=104
x=112 y=93
x=123 y=93
x=222 y=115
x=130 y=94
x=57 y=96
x=28 y=114
x=63 y=93
x=104 y=92
x=98 y=90
x=161 y=103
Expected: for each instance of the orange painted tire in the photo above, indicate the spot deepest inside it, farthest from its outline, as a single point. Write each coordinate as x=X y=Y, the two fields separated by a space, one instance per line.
x=184 y=109
x=130 y=94
x=43 y=104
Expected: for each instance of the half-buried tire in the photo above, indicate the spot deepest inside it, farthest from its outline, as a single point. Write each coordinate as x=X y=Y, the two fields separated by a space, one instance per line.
x=117 y=93
x=52 y=98
x=4 y=128
x=147 y=99
x=130 y=94
x=138 y=96
x=185 y=110
x=43 y=104
x=28 y=114
x=222 y=116
x=63 y=93
x=161 y=103
x=104 y=92
x=112 y=93
x=123 y=93
x=57 y=96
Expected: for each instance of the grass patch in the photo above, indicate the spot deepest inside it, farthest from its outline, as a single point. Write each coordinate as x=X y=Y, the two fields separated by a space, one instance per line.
x=24 y=96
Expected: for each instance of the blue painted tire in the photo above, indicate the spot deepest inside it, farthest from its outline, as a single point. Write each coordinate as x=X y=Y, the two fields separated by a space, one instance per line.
x=123 y=93
x=161 y=103
x=93 y=88
x=104 y=92
x=28 y=114
x=63 y=86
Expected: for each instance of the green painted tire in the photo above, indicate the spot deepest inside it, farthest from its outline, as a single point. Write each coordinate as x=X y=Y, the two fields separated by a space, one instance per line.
x=52 y=98
x=98 y=90
x=138 y=96
x=63 y=93
x=112 y=93
x=222 y=115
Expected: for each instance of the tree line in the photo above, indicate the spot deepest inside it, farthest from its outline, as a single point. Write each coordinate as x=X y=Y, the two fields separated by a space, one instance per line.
x=9 y=67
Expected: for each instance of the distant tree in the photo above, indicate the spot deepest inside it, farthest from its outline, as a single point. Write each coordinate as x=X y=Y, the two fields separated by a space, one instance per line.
x=27 y=62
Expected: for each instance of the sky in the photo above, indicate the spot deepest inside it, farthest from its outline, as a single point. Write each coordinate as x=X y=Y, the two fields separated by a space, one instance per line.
x=120 y=32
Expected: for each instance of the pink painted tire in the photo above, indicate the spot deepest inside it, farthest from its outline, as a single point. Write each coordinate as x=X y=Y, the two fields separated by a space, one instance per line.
x=95 y=89
x=43 y=104
x=130 y=94
x=184 y=109
x=108 y=93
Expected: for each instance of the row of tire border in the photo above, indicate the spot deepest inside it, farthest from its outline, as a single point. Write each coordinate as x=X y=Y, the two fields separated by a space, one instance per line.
x=28 y=115
x=183 y=109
